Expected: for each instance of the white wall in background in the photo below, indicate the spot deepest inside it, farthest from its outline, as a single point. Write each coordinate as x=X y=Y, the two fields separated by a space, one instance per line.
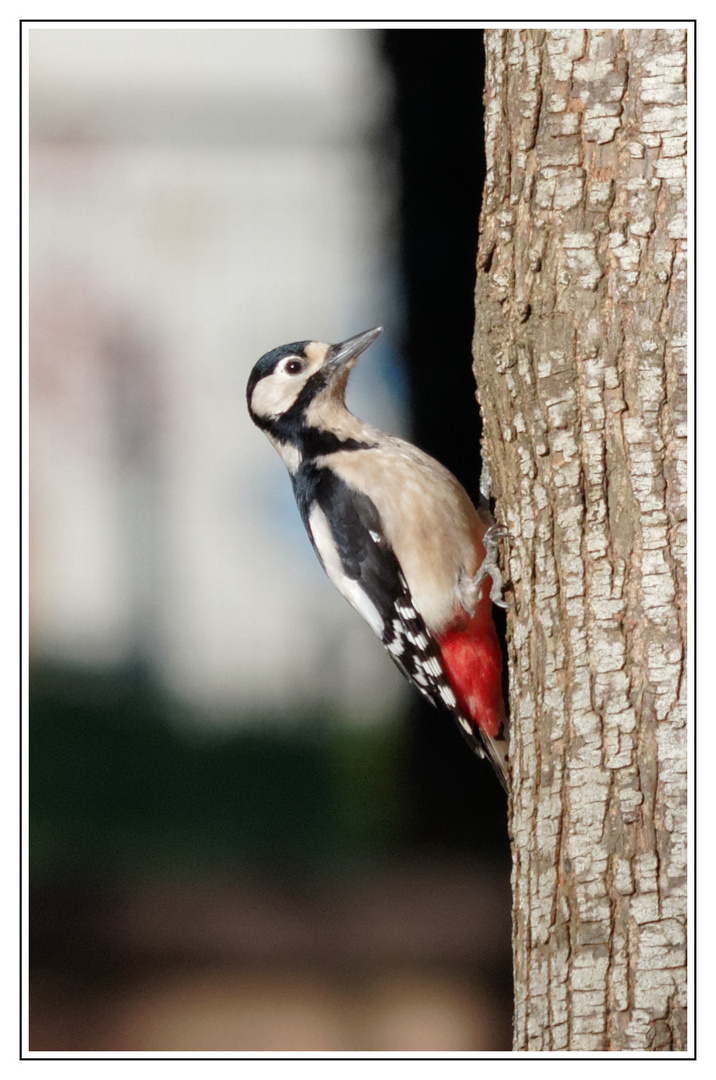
x=197 y=197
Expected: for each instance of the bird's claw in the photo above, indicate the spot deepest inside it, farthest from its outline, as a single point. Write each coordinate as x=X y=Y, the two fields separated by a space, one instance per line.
x=490 y=567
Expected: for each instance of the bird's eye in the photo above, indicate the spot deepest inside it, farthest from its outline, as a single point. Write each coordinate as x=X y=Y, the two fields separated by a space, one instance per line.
x=293 y=367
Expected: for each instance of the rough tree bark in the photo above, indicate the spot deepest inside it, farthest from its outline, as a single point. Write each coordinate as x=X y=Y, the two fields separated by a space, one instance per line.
x=580 y=364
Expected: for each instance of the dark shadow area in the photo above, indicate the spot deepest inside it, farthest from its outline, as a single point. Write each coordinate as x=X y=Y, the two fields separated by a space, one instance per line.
x=439 y=76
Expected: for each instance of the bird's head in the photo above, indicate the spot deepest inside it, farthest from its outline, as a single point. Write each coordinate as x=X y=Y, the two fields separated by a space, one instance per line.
x=293 y=385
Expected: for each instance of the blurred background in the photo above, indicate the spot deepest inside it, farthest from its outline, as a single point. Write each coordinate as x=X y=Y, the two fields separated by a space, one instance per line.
x=247 y=832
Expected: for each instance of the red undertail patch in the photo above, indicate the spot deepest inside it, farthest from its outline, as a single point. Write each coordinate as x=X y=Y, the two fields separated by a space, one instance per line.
x=473 y=662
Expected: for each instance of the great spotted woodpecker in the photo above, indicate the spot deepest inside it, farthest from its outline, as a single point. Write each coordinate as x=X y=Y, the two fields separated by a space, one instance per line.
x=395 y=532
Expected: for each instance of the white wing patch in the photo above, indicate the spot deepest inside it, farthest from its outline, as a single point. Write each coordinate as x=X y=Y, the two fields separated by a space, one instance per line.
x=347 y=587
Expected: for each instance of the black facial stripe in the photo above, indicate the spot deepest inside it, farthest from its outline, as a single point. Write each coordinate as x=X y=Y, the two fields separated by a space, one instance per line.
x=291 y=427
x=312 y=442
x=317 y=382
x=317 y=442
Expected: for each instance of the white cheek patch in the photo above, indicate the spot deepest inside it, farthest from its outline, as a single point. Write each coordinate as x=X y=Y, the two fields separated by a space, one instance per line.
x=275 y=394
x=347 y=587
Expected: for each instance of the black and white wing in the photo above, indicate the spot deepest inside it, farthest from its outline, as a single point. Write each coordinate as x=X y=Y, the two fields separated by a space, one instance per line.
x=347 y=534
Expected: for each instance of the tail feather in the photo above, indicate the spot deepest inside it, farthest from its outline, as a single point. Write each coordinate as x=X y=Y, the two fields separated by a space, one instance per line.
x=494 y=750
x=498 y=756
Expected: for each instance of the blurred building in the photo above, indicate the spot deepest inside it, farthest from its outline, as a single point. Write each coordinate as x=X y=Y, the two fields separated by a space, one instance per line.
x=198 y=197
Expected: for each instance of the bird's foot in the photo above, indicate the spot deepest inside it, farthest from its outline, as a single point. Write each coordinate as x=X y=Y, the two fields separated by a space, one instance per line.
x=490 y=567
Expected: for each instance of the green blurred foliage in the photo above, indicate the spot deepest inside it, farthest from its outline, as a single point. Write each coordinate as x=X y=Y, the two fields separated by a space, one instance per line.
x=121 y=779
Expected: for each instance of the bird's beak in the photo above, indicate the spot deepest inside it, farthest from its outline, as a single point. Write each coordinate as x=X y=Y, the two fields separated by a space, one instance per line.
x=345 y=354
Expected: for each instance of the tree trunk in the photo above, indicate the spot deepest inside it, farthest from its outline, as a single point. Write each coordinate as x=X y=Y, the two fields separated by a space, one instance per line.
x=580 y=360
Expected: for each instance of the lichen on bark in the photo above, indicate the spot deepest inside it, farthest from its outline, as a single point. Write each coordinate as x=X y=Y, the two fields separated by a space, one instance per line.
x=580 y=361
